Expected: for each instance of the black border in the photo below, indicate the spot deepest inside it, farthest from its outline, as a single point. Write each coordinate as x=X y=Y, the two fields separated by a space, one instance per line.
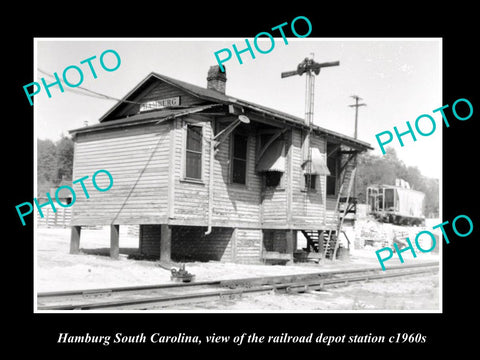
x=444 y=331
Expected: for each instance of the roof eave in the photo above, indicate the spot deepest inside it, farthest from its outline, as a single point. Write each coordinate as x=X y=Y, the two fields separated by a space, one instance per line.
x=224 y=99
x=141 y=119
x=358 y=144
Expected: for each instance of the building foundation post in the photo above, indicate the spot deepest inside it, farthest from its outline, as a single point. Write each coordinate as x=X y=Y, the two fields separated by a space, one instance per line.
x=114 y=241
x=165 y=243
x=321 y=248
x=75 y=239
x=291 y=242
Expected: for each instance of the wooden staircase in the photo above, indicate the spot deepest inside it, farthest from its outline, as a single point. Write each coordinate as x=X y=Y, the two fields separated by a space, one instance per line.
x=326 y=248
x=342 y=208
x=326 y=242
x=312 y=237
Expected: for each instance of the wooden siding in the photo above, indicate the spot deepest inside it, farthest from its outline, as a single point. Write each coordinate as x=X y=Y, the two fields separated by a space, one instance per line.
x=274 y=202
x=308 y=207
x=275 y=206
x=137 y=158
x=190 y=197
x=233 y=204
x=155 y=91
x=191 y=243
x=248 y=245
x=147 y=164
x=149 y=240
x=275 y=240
x=330 y=219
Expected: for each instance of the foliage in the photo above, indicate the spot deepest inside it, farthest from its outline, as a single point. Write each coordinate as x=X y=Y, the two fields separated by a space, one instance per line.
x=64 y=158
x=54 y=163
x=385 y=169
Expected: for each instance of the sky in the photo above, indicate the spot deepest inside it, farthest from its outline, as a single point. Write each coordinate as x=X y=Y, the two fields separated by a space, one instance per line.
x=398 y=80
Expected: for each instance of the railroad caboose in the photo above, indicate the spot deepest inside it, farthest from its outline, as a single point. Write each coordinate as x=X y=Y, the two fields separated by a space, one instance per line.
x=207 y=176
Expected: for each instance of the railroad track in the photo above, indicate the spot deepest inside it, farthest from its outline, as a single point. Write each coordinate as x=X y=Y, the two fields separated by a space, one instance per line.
x=169 y=295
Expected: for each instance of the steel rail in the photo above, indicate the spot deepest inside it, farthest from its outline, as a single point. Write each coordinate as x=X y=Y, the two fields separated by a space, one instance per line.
x=124 y=288
x=221 y=289
x=264 y=280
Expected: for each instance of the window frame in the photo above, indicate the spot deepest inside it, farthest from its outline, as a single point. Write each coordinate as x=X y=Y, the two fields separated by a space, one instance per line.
x=232 y=157
x=186 y=125
x=315 y=181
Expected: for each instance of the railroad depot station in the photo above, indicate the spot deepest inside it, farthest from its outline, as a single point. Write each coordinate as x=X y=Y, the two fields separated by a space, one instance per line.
x=207 y=176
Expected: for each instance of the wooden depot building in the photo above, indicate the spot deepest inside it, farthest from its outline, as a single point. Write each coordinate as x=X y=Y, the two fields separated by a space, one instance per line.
x=207 y=176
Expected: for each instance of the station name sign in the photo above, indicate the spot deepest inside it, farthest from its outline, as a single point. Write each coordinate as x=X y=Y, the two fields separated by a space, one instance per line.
x=159 y=104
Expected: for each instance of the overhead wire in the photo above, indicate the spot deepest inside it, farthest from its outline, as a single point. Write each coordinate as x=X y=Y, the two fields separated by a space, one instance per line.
x=89 y=92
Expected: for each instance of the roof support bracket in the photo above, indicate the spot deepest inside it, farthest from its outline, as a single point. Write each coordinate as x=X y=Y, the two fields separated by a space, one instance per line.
x=222 y=135
x=346 y=162
x=333 y=151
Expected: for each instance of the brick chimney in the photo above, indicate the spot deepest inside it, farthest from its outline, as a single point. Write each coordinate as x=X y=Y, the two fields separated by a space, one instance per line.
x=216 y=79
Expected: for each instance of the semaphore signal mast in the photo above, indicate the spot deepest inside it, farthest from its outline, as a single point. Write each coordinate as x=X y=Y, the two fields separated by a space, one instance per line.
x=310 y=68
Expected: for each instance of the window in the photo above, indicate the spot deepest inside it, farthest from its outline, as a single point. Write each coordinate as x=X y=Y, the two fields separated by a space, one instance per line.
x=239 y=159
x=310 y=181
x=273 y=178
x=193 y=153
x=332 y=164
x=389 y=200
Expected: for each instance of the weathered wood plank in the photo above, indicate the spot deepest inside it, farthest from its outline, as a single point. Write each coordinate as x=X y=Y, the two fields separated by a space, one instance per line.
x=139 y=166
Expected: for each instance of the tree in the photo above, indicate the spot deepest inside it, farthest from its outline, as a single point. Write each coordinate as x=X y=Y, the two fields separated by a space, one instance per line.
x=415 y=178
x=46 y=165
x=54 y=163
x=64 y=148
x=372 y=170
x=431 y=197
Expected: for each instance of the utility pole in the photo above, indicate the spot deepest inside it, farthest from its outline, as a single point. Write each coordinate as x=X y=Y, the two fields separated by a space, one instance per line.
x=356 y=105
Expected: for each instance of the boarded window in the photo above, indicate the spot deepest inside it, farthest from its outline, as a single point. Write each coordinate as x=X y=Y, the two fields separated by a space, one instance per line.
x=193 y=156
x=239 y=159
x=332 y=164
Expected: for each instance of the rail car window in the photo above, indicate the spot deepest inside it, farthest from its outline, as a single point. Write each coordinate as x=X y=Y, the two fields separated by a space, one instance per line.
x=389 y=199
x=380 y=202
x=193 y=153
x=239 y=159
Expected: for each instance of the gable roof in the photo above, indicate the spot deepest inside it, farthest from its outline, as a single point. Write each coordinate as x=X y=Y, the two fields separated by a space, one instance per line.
x=217 y=97
x=197 y=91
